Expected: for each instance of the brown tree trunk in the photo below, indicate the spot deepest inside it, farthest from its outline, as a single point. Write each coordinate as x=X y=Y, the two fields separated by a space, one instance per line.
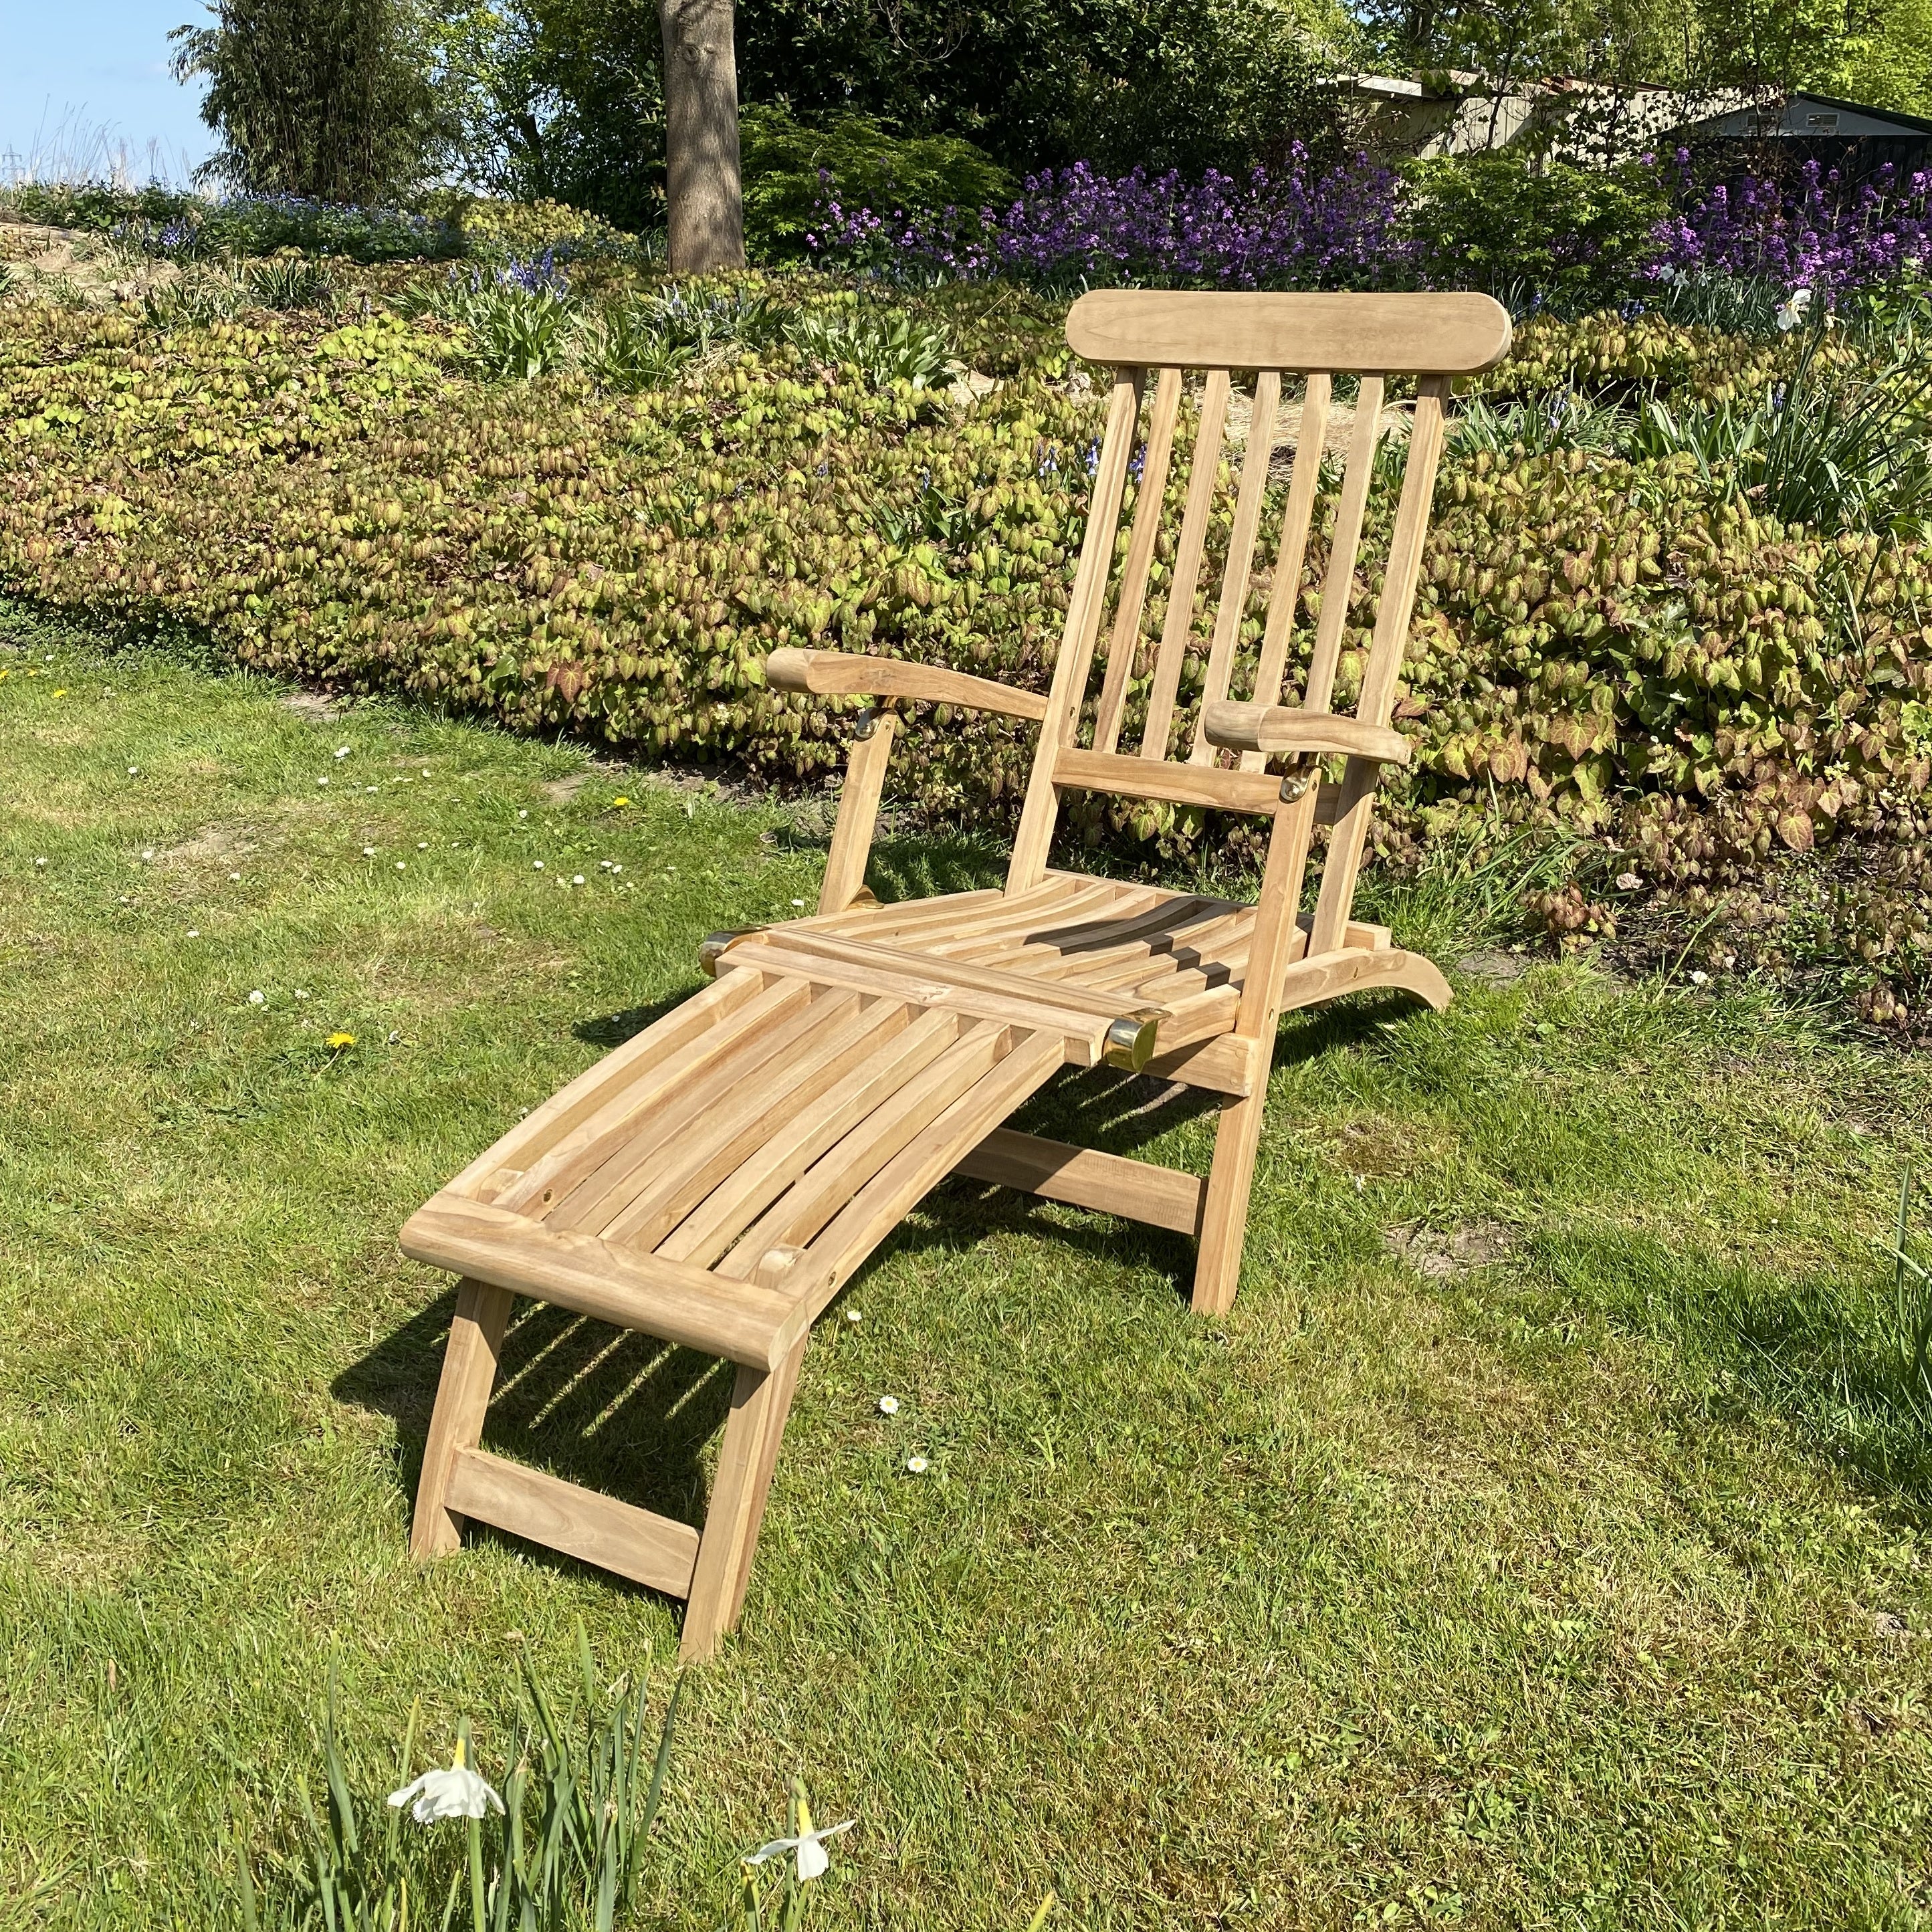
x=706 y=214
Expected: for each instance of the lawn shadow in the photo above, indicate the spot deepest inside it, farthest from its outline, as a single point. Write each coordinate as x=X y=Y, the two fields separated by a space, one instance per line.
x=617 y=1412
x=609 y=1030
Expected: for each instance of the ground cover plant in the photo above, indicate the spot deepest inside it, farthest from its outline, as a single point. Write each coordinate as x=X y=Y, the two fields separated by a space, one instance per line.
x=1540 y=1540
x=1674 y=610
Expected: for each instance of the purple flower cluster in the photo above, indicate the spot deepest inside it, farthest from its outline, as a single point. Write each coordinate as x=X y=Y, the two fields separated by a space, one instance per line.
x=1356 y=224
x=1296 y=228
x=1815 y=234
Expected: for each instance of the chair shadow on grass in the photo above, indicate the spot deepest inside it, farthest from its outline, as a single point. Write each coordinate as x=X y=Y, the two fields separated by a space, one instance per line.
x=613 y=1411
x=630 y=1416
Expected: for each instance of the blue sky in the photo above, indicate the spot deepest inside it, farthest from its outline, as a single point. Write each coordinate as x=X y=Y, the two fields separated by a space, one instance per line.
x=74 y=66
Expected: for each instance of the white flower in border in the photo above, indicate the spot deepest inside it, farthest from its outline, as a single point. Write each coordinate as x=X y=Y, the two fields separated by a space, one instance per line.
x=458 y=1792
x=814 y=1861
x=916 y=1465
x=1698 y=979
x=889 y=1404
x=1797 y=306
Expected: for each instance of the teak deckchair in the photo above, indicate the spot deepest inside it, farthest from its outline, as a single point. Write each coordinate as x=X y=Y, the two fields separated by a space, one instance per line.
x=715 y=1181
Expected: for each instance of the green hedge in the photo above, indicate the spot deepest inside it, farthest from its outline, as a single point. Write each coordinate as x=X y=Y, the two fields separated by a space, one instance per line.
x=1602 y=648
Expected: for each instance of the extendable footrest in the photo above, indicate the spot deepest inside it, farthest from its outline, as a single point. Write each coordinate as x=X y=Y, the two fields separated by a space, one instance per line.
x=713 y=1183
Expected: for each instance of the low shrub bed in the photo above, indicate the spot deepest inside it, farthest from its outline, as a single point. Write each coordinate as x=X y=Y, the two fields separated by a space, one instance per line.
x=1725 y=708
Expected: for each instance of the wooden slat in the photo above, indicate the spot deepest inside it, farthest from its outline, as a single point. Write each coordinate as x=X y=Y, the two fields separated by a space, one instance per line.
x=696 y=1161
x=957 y=913
x=1452 y=334
x=1079 y=953
x=1343 y=860
x=924 y=1161
x=565 y=1110
x=1338 y=582
x=858 y=814
x=567 y=1158
x=1084 y=1032
x=1124 y=643
x=1034 y=837
x=649 y=1549
x=1291 y=553
x=843 y=1170
x=1178 y=626
x=961 y=974
x=1137 y=1190
x=906 y=912
x=1240 y=558
x=992 y=936
x=710 y=1229
x=853 y=674
x=1184 y=784
x=588 y=1198
x=677 y=1303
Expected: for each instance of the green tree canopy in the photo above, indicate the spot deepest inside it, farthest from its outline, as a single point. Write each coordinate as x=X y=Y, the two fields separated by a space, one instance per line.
x=331 y=99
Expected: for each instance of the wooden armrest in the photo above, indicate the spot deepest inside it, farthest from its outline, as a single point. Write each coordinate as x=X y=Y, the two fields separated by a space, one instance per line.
x=1276 y=728
x=846 y=673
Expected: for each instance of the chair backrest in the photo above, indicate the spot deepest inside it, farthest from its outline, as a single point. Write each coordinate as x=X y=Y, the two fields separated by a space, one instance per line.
x=1152 y=338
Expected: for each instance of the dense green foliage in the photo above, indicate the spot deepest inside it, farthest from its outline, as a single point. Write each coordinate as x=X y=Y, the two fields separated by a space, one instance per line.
x=330 y=100
x=792 y=167
x=1876 y=51
x=564 y=98
x=1560 y=233
x=1611 y=643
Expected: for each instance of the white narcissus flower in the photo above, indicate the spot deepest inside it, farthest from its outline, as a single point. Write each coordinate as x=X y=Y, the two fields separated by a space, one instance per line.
x=458 y=1792
x=814 y=1861
x=1797 y=305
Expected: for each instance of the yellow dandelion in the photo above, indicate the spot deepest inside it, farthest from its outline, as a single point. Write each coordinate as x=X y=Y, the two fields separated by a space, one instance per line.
x=61 y=691
x=620 y=801
x=336 y=1041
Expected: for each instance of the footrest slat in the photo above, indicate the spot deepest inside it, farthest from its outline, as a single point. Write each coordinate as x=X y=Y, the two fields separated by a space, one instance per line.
x=649 y=1549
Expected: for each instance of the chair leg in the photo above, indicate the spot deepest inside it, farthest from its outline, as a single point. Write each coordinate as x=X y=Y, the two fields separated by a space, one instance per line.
x=1224 y=1223
x=786 y=1378
x=463 y=1395
x=737 y=1500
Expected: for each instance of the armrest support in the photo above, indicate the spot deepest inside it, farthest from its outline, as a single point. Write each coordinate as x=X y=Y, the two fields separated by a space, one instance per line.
x=1278 y=729
x=847 y=673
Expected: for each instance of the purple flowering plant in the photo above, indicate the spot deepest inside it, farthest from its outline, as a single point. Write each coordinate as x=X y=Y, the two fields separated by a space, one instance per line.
x=1356 y=223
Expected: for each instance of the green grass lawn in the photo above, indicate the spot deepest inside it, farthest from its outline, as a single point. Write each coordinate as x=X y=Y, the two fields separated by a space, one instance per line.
x=1539 y=1542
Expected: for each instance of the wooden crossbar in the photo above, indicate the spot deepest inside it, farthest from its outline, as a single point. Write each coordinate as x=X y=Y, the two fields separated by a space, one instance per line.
x=649 y=1549
x=1136 y=1190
